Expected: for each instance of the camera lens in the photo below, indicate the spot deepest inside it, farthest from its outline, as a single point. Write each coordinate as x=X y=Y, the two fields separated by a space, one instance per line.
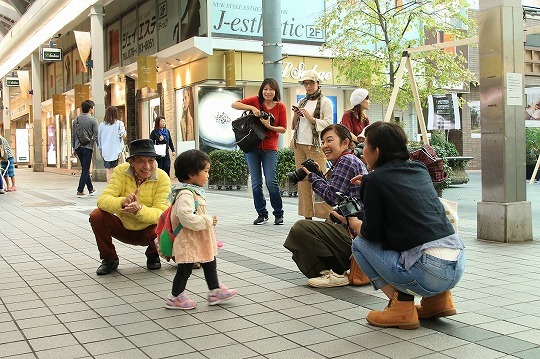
x=296 y=176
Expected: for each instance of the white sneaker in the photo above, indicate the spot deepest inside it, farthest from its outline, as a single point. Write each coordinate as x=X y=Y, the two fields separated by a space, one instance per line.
x=329 y=279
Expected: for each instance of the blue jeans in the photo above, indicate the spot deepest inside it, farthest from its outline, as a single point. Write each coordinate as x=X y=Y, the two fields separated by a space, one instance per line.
x=427 y=277
x=268 y=159
x=85 y=156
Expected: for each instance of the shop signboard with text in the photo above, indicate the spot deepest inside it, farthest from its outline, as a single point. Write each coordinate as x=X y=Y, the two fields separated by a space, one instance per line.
x=243 y=19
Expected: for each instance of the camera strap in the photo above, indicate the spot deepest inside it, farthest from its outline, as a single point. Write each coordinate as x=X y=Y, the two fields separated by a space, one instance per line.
x=346 y=152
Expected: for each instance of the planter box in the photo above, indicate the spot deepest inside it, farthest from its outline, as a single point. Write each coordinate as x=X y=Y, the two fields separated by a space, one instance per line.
x=458 y=164
x=228 y=170
x=286 y=188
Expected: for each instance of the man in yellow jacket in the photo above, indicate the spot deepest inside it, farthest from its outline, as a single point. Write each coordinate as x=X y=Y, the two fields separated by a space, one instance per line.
x=130 y=206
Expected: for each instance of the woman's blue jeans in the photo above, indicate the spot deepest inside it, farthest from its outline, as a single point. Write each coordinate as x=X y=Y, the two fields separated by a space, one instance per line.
x=268 y=159
x=427 y=277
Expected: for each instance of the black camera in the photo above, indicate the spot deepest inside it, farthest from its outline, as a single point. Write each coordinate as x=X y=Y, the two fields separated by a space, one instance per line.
x=266 y=116
x=358 y=151
x=347 y=207
x=300 y=174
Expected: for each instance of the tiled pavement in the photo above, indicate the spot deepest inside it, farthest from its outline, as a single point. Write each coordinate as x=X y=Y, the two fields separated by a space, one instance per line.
x=52 y=304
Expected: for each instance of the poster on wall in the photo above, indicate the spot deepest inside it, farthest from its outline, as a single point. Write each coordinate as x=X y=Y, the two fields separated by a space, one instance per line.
x=215 y=116
x=68 y=72
x=333 y=99
x=113 y=44
x=59 y=76
x=168 y=16
x=185 y=119
x=50 y=80
x=192 y=19
x=155 y=111
x=532 y=107
x=51 y=145
x=443 y=112
x=23 y=145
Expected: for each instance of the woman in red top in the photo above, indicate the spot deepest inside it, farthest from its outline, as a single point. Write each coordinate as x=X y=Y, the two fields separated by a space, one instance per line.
x=266 y=154
x=355 y=119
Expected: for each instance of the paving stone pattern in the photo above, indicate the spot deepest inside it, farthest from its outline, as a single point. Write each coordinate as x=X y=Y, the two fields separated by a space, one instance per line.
x=53 y=305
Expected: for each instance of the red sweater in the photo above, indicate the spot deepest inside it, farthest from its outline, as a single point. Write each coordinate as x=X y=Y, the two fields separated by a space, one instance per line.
x=280 y=114
x=352 y=122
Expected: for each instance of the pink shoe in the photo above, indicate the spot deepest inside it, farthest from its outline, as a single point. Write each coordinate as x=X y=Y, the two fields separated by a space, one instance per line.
x=180 y=302
x=12 y=189
x=220 y=294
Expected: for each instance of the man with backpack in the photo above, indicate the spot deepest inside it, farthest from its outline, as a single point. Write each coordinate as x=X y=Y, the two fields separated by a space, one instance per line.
x=84 y=133
x=130 y=206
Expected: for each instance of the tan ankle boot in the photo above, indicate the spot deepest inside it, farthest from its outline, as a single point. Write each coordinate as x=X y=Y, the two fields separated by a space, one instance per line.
x=440 y=305
x=397 y=314
x=356 y=274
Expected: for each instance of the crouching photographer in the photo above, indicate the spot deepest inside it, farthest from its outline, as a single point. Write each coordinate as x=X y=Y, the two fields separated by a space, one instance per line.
x=322 y=250
x=405 y=244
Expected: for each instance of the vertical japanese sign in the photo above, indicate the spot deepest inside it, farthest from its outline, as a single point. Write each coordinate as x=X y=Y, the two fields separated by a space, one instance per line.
x=147 y=33
x=129 y=38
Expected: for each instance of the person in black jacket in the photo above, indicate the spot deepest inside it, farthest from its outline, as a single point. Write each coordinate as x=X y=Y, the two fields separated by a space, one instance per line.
x=85 y=125
x=405 y=243
x=160 y=135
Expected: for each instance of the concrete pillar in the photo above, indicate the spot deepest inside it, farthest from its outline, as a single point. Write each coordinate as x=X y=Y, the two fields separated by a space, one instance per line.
x=36 y=114
x=98 y=83
x=6 y=115
x=503 y=215
x=271 y=13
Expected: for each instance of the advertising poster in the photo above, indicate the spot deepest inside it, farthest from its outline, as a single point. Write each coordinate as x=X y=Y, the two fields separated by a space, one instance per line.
x=168 y=15
x=532 y=107
x=215 y=116
x=334 y=106
x=192 y=19
x=23 y=145
x=185 y=119
x=443 y=112
x=51 y=145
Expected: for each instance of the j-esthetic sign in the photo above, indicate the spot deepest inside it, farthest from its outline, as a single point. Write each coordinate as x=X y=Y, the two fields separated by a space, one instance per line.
x=243 y=19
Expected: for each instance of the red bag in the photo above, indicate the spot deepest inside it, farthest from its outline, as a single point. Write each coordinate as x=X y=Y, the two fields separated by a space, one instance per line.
x=427 y=155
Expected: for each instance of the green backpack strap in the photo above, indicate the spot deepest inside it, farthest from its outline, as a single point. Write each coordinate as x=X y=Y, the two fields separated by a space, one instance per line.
x=179 y=227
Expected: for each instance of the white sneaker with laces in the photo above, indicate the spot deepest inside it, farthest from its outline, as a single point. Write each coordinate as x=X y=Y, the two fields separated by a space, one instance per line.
x=329 y=279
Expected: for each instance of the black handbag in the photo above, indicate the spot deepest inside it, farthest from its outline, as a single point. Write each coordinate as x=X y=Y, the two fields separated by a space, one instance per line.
x=249 y=132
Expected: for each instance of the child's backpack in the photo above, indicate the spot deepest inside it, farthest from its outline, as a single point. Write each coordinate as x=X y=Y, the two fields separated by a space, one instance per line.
x=164 y=231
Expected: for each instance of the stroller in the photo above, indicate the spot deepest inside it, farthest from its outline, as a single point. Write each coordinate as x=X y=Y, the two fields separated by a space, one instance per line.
x=3 y=172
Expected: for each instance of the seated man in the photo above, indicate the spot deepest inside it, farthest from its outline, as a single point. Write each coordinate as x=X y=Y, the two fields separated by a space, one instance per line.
x=129 y=207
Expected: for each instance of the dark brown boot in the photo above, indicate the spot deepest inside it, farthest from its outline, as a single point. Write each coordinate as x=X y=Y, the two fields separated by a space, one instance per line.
x=401 y=314
x=440 y=305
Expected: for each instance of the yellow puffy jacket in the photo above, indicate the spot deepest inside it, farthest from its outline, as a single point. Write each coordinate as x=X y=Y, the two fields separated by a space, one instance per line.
x=152 y=196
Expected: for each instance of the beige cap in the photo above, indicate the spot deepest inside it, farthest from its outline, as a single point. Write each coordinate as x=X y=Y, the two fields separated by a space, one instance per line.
x=309 y=75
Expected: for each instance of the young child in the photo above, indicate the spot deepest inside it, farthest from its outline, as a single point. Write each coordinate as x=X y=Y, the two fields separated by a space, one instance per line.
x=196 y=241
